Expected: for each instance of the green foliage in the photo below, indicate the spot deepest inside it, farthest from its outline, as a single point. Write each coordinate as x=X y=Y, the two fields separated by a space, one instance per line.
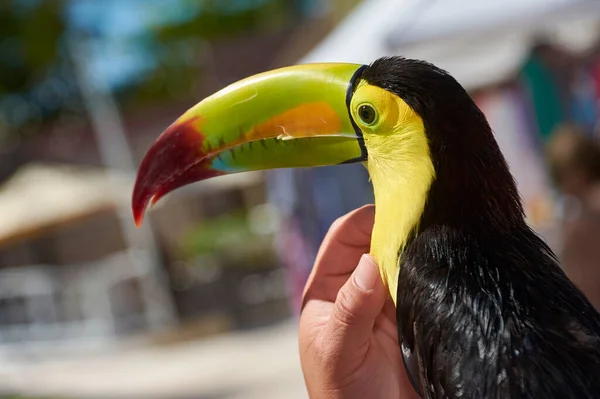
x=28 y=44
x=219 y=19
x=217 y=234
x=181 y=49
x=230 y=239
x=33 y=88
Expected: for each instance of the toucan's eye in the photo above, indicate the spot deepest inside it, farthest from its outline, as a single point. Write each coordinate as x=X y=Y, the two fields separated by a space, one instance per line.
x=367 y=114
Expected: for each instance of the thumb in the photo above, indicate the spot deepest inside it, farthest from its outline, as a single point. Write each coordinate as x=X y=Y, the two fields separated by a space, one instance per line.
x=360 y=300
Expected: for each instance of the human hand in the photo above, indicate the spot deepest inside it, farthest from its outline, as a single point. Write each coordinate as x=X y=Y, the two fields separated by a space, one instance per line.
x=348 y=336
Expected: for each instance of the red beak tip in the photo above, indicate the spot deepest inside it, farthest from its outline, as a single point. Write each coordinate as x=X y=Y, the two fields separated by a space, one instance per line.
x=138 y=217
x=138 y=208
x=174 y=160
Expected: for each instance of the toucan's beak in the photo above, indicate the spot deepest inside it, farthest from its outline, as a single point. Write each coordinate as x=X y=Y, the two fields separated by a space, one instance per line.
x=291 y=117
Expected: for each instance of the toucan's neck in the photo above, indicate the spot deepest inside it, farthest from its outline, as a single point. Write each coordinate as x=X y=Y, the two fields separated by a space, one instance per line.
x=470 y=190
x=401 y=184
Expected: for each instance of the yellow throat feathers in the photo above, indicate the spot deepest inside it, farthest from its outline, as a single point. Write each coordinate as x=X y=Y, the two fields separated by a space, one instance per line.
x=401 y=170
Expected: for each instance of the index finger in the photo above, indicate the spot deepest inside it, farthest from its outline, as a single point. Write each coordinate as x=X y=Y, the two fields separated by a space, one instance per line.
x=348 y=238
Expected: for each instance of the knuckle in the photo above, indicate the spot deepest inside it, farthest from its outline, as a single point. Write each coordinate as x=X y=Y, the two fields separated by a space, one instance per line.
x=344 y=310
x=353 y=229
x=336 y=224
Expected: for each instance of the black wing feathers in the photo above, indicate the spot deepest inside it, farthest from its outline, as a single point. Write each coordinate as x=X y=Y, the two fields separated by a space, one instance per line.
x=497 y=318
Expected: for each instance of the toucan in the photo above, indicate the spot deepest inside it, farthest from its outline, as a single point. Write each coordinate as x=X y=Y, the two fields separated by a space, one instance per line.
x=483 y=308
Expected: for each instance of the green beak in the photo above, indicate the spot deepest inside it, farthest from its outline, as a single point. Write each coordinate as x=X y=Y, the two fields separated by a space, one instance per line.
x=290 y=117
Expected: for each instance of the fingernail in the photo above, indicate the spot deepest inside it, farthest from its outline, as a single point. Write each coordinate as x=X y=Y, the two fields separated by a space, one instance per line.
x=366 y=273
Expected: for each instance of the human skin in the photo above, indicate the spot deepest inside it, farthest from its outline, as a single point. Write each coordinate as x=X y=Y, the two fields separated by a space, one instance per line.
x=348 y=338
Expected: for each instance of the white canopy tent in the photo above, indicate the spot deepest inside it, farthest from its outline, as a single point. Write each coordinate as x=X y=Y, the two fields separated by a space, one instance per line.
x=41 y=195
x=479 y=42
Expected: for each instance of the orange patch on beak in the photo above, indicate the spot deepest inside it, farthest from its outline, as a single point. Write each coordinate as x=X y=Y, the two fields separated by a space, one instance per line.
x=306 y=120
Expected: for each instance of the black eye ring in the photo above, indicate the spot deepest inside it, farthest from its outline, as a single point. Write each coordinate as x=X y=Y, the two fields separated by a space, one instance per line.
x=367 y=114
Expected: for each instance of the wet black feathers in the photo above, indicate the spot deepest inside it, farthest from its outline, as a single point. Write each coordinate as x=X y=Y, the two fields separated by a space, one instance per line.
x=497 y=318
x=494 y=315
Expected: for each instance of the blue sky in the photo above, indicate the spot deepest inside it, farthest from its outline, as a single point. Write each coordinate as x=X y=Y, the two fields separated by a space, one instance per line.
x=123 y=48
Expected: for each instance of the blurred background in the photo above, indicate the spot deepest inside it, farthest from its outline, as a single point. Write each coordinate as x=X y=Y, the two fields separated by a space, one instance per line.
x=202 y=301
